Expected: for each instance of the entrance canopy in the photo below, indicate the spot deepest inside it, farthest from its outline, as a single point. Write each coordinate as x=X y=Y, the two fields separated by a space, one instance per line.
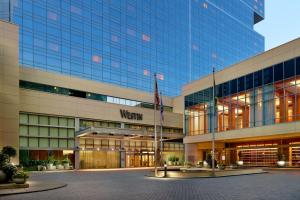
x=121 y=133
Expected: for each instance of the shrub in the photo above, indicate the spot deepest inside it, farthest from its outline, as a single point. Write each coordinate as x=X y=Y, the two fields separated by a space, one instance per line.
x=21 y=174
x=51 y=159
x=10 y=151
x=10 y=170
x=65 y=160
x=4 y=159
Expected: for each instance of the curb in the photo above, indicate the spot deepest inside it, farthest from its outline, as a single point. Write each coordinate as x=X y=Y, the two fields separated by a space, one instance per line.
x=32 y=190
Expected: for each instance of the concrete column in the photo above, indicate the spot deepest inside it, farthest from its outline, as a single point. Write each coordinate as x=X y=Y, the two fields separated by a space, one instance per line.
x=77 y=145
x=122 y=155
x=191 y=153
x=9 y=87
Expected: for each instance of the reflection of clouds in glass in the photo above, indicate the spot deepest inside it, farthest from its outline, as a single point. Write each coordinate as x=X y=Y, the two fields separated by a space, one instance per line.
x=146 y=38
x=130 y=32
x=96 y=59
x=38 y=43
x=53 y=47
x=75 y=52
x=52 y=16
x=146 y=72
x=114 y=38
x=160 y=76
x=195 y=47
x=76 y=10
x=131 y=8
x=115 y=64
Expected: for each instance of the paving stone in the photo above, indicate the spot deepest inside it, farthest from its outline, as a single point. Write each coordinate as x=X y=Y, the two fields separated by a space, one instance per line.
x=134 y=185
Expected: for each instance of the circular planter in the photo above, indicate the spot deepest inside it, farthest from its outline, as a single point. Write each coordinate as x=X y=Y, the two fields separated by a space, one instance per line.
x=281 y=163
x=19 y=180
x=3 y=177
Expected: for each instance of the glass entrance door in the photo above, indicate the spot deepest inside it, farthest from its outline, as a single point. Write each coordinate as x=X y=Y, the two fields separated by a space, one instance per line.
x=142 y=159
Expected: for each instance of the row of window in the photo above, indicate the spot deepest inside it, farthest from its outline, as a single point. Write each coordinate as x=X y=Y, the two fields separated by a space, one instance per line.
x=87 y=95
x=275 y=73
x=52 y=132
x=42 y=131
x=44 y=143
x=128 y=144
x=90 y=123
x=44 y=120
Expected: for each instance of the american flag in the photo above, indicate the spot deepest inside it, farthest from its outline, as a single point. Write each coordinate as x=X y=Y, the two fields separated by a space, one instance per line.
x=156 y=96
x=161 y=108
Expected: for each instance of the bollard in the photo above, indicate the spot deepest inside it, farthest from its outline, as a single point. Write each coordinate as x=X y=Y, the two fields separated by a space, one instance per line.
x=165 y=170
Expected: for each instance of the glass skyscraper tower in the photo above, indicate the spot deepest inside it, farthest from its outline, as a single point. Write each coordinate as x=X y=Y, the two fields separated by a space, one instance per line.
x=125 y=42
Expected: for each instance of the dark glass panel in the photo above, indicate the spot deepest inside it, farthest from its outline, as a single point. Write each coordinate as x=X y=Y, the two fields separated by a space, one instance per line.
x=268 y=75
x=226 y=89
x=257 y=78
x=219 y=90
x=98 y=97
x=289 y=68
x=249 y=81
x=76 y=93
x=278 y=72
x=241 y=84
x=298 y=66
x=233 y=86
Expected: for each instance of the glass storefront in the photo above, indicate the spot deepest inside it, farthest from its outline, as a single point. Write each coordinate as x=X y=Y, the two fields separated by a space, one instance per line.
x=140 y=159
x=99 y=159
x=265 y=97
x=107 y=152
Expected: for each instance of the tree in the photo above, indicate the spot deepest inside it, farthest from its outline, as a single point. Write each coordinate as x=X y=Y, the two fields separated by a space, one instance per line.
x=10 y=151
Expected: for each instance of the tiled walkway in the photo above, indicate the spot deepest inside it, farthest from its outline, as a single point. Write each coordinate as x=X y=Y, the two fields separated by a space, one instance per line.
x=133 y=185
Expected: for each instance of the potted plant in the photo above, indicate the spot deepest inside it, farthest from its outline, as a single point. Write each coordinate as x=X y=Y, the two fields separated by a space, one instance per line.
x=176 y=160
x=41 y=165
x=50 y=162
x=171 y=160
x=3 y=161
x=221 y=166
x=58 y=164
x=240 y=162
x=10 y=170
x=281 y=159
x=20 y=177
x=66 y=162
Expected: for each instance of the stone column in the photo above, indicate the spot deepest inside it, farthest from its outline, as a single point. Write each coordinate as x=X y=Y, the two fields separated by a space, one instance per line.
x=9 y=87
x=77 y=145
x=191 y=153
x=122 y=155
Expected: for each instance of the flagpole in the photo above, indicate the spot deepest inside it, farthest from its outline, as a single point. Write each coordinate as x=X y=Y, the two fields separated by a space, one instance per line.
x=213 y=126
x=161 y=128
x=155 y=133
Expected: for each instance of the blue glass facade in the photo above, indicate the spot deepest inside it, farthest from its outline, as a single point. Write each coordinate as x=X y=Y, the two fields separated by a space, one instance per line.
x=125 y=42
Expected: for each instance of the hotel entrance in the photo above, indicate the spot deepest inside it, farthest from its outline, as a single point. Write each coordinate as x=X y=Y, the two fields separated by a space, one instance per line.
x=140 y=159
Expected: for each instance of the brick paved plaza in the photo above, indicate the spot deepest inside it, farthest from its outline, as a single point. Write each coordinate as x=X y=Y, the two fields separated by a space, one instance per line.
x=132 y=184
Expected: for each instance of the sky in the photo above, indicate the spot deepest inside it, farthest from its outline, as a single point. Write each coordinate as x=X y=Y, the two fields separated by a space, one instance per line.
x=282 y=22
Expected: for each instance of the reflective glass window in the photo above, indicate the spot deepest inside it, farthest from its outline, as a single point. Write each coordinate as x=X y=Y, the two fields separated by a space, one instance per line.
x=289 y=68
x=249 y=81
x=278 y=72
x=241 y=84
x=268 y=75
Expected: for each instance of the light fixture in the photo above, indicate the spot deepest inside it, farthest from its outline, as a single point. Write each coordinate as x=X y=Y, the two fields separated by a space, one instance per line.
x=241 y=98
x=296 y=82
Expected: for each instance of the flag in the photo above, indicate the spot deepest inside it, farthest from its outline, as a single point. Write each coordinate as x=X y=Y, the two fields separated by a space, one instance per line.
x=156 y=96
x=161 y=108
